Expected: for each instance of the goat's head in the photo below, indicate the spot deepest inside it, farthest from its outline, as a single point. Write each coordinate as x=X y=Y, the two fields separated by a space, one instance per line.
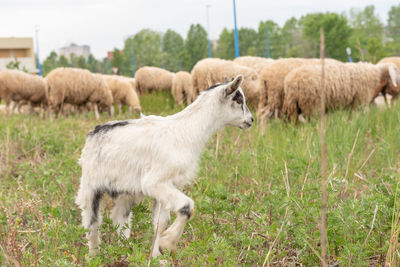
x=233 y=109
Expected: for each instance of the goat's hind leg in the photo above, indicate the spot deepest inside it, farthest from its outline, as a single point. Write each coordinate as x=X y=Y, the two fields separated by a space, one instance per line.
x=121 y=212
x=89 y=202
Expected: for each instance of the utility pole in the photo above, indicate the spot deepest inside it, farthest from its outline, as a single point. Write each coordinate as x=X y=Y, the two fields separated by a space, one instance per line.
x=37 y=50
x=237 y=53
x=133 y=59
x=208 y=30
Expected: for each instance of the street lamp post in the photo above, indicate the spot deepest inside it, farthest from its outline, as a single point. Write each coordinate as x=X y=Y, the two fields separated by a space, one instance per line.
x=237 y=53
x=37 y=50
x=133 y=59
x=208 y=30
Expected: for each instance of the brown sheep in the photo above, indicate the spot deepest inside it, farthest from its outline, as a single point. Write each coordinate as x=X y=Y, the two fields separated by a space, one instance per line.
x=209 y=71
x=78 y=87
x=123 y=92
x=149 y=79
x=21 y=88
x=182 y=88
x=346 y=85
x=271 y=84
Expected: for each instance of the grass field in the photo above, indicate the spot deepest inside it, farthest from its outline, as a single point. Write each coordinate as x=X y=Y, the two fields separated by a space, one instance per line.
x=257 y=193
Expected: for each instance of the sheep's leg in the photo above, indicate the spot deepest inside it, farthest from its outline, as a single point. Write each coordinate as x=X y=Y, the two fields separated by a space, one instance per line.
x=119 y=105
x=96 y=111
x=160 y=221
x=111 y=111
x=13 y=105
x=121 y=212
x=172 y=199
x=91 y=218
x=131 y=110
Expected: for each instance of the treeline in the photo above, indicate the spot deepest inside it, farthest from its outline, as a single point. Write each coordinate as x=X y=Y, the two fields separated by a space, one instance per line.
x=359 y=29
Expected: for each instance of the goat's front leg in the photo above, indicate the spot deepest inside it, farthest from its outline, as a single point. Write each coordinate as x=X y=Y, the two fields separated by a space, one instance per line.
x=172 y=199
x=161 y=219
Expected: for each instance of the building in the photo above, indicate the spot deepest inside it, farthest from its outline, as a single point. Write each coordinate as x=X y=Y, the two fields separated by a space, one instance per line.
x=18 y=49
x=77 y=50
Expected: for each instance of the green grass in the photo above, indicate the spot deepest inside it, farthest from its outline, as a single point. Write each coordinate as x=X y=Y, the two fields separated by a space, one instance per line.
x=259 y=182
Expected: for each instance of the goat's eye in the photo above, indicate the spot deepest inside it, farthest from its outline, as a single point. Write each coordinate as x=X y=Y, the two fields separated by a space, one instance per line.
x=238 y=98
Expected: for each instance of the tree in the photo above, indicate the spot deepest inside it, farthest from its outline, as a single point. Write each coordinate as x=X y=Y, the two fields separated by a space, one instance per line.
x=368 y=34
x=336 y=29
x=393 y=31
x=50 y=63
x=118 y=61
x=196 y=46
x=247 y=42
x=226 y=45
x=276 y=47
x=292 y=41
x=147 y=49
x=63 y=62
x=172 y=46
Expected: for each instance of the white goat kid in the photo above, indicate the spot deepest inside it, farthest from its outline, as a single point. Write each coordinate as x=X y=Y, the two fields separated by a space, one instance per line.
x=154 y=156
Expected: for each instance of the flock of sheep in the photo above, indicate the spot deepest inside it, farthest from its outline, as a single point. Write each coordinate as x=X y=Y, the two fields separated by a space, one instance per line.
x=285 y=87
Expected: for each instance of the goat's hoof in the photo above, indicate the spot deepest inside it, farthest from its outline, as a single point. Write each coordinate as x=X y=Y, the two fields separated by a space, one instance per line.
x=165 y=243
x=156 y=253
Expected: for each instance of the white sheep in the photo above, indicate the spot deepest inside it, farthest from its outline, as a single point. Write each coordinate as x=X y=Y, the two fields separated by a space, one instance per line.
x=154 y=156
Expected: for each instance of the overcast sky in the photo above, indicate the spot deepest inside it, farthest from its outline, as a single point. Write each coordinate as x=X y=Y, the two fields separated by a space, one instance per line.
x=103 y=25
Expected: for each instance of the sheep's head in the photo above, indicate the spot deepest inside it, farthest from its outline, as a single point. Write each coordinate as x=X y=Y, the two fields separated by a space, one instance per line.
x=233 y=108
x=391 y=76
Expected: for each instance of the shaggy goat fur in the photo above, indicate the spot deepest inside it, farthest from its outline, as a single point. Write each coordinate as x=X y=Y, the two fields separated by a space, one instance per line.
x=150 y=79
x=346 y=85
x=182 y=88
x=209 y=71
x=123 y=92
x=154 y=156
x=21 y=88
x=77 y=87
x=256 y=63
x=271 y=84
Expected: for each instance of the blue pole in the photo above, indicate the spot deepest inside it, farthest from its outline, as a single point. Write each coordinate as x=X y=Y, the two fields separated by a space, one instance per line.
x=180 y=63
x=268 y=49
x=133 y=59
x=37 y=53
x=237 y=53
x=350 y=59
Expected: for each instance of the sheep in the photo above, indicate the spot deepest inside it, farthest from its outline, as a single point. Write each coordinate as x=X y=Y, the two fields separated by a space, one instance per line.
x=21 y=88
x=154 y=156
x=212 y=70
x=78 y=87
x=123 y=92
x=271 y=85
x=346 y=85
x=132 y=82
x=390 y=92
x=256 y=63
x=150 y=79
x=394 y=60
x=182 y=88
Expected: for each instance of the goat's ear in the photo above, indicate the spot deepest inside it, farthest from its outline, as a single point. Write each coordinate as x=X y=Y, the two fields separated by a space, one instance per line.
x=233 y=85
x=393 y=73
